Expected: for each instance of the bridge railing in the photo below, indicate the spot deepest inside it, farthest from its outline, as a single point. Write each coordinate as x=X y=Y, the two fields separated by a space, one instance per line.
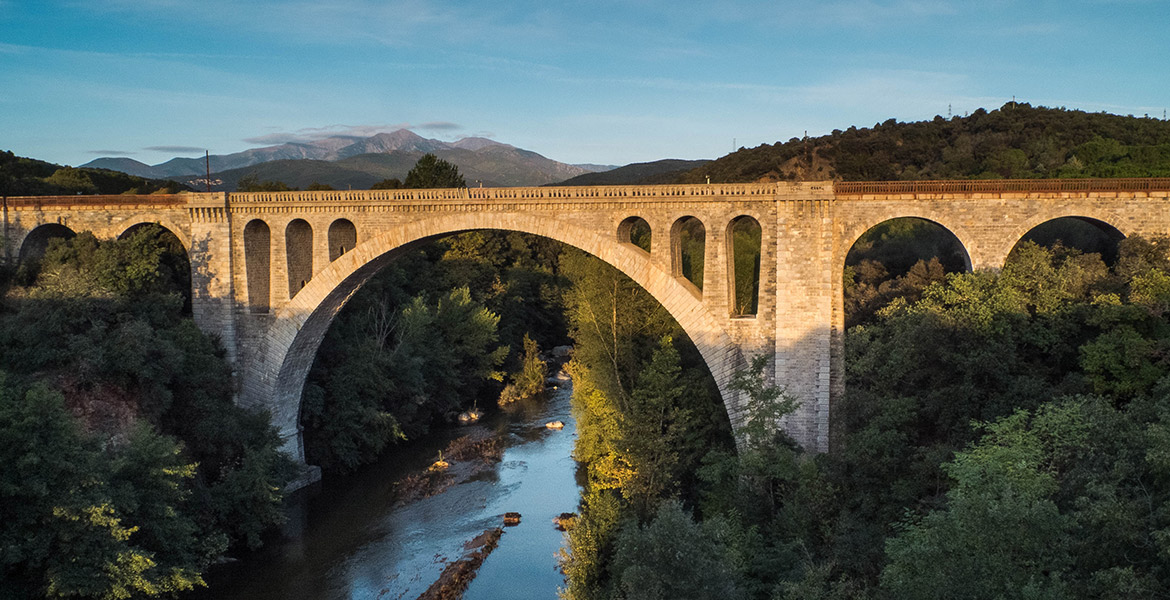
x=120 y=200
x=976 y=186
x=617 y=192
x=515 y=193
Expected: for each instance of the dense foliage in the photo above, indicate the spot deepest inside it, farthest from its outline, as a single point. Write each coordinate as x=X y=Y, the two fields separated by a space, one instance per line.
x=1015 y=141
x=128 y=469
x=21 y=176
x=647 y=412
x=1003 y=436
x=430 y=335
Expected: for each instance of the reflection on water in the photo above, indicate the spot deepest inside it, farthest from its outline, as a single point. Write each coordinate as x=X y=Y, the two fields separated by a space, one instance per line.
x=346 y=540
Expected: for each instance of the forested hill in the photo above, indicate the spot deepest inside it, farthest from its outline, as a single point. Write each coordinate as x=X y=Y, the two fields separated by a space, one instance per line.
x=1015 y=141
x=20 y=176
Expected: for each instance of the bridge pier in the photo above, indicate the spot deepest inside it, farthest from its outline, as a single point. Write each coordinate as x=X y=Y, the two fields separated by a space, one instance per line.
x=805 y=329
x=213 y=301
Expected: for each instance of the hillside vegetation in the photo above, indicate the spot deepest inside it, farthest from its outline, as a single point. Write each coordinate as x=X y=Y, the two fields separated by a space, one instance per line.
x=21 y=176
x=127 y=468
x=1015 y=141
x=648 y=173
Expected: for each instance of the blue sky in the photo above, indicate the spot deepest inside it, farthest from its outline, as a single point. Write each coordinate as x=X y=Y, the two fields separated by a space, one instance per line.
x=592 y=81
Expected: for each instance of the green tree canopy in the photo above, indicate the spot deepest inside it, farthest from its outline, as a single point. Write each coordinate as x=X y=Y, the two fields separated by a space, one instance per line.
x=433 y=172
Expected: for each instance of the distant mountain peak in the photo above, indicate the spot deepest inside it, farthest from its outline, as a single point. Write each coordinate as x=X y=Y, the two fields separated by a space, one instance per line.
x=477 y=143
x=402 y=140
x=480 y=158
x=122 y=164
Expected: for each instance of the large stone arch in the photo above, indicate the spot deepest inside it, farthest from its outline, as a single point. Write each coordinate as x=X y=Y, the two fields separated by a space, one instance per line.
x=291 y=342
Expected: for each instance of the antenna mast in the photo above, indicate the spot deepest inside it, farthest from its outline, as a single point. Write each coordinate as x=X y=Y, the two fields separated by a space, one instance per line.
x=207 y=163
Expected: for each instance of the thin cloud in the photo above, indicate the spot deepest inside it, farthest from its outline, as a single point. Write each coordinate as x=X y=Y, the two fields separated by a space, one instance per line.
x=179 y=149
x=313 y=134
x=274 y=139
x=111 y=152
x=439 y=126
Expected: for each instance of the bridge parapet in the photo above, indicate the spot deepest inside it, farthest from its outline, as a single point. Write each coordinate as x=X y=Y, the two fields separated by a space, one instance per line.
x=1078 y=187
x=781 y=190
x=762 y=191
x=97 y=202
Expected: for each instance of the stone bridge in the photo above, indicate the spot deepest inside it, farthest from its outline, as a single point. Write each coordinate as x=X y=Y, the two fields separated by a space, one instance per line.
x=270 y=270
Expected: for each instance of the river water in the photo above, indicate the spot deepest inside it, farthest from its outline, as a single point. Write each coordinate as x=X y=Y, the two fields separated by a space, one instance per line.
x=346 y=540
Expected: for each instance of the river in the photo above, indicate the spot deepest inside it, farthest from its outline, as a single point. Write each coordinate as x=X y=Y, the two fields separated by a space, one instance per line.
x=346 y=540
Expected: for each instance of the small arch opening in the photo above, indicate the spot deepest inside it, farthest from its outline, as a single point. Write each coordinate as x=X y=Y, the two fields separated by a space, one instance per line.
x=32 y=249
x=897 y=258
x=688 y=240
x=1089 y=236
x=163 y=231
x=636 y=231
x=174 y=263
x=744 y=238
x=298 y=242
x=342 y=238
x=257 y=264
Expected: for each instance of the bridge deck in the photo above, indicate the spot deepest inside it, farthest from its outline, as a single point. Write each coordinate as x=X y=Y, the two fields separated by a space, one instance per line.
x=746 y=191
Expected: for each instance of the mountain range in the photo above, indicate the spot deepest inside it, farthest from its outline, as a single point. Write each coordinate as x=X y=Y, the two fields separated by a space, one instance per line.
x=348 y=161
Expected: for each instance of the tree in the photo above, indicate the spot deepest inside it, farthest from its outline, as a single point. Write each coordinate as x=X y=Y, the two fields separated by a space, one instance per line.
x=72 y=181
x=1001 y=534
x=435 y=356
x=651 y=429
x=62 y=523
x=155 y=471
x=674 y=557
x=529 y=382
x=433 y=172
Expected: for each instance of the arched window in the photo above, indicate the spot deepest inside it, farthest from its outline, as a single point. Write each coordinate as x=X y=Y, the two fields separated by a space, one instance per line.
x=636 y=231
x=298 y=243
x=688 y=239
x=342 y=238
x=743 y=249
x=257 y=264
